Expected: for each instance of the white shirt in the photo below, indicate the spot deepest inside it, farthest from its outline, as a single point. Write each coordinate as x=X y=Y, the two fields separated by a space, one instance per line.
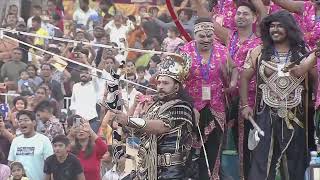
x=119 y=57
x=112 y=174
x=117 y=33
x=129 y=98
x=31 y=152
x=82 y=17
x=84 y=99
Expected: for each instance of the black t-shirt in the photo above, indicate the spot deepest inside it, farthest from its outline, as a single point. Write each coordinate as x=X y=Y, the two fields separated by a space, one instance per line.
x=68 y=170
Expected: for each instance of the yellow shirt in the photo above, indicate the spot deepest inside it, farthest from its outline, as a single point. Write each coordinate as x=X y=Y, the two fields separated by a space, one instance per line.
x=40 y=41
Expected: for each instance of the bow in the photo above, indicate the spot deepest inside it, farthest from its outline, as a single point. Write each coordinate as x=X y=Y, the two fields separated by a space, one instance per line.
x=177 y=22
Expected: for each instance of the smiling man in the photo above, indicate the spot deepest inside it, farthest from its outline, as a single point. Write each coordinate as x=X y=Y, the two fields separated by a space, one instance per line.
x=280 y=110
x=30 y=148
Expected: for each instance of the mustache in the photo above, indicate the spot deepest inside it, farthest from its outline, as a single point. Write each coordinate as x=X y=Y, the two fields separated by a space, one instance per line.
x=276 y=32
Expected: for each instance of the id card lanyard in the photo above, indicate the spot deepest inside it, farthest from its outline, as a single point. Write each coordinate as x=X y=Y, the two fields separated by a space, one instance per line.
x=205 y=73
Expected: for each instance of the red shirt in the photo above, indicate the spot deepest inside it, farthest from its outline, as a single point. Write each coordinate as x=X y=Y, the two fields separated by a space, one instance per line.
x=91 y=165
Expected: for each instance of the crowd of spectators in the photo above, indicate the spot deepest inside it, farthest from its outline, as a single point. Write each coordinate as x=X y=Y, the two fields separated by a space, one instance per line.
x=40 y=135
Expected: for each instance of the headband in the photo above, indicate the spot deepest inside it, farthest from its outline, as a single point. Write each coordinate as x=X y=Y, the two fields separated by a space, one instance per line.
x=203 y=26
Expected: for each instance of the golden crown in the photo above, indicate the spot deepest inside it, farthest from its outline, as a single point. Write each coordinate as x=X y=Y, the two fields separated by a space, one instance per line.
x=175 y=66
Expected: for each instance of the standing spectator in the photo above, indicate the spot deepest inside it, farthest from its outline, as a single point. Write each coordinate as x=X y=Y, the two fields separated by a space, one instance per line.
x=185 y=16
x=52 y=126
x=19 y=104
x=21 y=26
x=129 y=92
x=13 y=9
x=36 y=11
x=118 y=30
x=36 y=26
x=11 y=69
x=57 y=12
x=6 y=48
x=81 y=103
x=54 y=86
x=82 y=14
x=18 y=171
x=32 y=71
x=107 y=10
x=89 y=149
x=10 y=21
x=31 y=148
x=6 y=138
x=171 y=42
x=62 y=164
x=4 y=169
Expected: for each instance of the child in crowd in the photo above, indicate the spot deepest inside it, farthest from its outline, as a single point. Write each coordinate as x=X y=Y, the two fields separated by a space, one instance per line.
x=20 y=104
x=153 y=65
x=172 y=41
x=141 y=71
x=25 y=83
x=17 y=171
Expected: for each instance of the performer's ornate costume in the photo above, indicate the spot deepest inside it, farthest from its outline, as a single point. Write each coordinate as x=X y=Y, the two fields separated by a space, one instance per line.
x=165 y=156
x=281 y=112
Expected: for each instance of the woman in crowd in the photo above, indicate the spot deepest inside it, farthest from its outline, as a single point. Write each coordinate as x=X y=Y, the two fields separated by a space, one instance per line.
x=88 y=147
x=32 y=71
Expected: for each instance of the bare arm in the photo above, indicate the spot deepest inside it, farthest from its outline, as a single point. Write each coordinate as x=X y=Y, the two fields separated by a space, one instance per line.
x=247 y=73
x=201 y=10
x=305 y=66
x=292 y=6
x=7 y=135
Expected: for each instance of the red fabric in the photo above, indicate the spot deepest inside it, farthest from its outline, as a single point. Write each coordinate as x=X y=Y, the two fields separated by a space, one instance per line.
x=91 y=165
x=177 y=22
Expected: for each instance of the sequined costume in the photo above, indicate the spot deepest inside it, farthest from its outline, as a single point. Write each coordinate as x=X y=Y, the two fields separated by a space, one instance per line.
x=165 y=156
x=281 y=112
x=212 y=112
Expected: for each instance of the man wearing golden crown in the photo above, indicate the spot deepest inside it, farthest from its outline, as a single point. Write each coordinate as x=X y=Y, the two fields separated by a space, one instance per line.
x=165 y=130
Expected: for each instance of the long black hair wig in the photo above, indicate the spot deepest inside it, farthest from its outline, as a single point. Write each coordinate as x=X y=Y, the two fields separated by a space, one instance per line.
x=294 y=35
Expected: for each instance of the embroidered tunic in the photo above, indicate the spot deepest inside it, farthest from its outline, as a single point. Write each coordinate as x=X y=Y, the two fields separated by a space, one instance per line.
x=165 y=156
